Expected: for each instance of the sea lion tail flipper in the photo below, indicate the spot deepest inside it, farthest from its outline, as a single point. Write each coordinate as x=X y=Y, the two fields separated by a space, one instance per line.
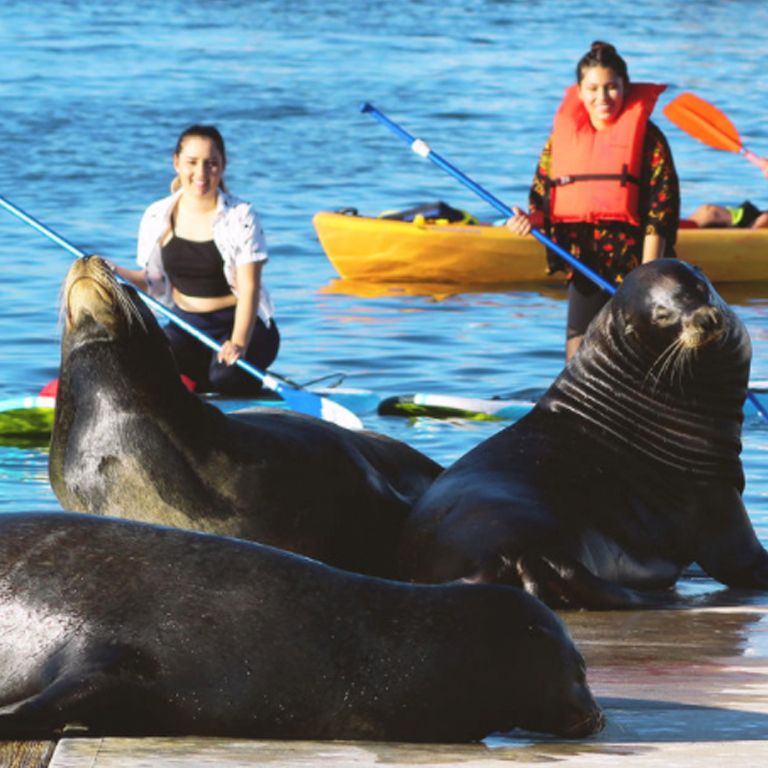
x=93 y=691
x=562 y=582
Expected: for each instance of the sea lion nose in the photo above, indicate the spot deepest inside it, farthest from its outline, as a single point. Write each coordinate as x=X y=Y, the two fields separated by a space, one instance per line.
x=585 y=719
x=702 y=326
x=707 y=320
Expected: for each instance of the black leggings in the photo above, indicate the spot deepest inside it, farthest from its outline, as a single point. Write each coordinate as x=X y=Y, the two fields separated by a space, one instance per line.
x=585 y=300
x=199 y=363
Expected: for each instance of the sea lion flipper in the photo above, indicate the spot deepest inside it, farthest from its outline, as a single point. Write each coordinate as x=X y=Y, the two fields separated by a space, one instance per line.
x=565 y=583
x=749 y=573
x=94 y=678
x=728 y=548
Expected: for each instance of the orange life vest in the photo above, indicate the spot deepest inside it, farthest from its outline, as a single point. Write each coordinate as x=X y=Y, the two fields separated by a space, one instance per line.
x=595 y=175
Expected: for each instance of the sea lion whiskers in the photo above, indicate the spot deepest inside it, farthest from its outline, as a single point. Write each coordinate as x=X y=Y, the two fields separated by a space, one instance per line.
x=681 y=362
x=91 y=288
x=701 y=327
x=670 y=361
x=130 y=311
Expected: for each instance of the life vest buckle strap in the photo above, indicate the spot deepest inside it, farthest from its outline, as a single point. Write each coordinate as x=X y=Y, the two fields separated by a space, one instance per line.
x=624 y=178
x=627 y=177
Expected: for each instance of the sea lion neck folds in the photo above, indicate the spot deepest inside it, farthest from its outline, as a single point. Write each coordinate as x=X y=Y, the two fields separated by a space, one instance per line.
x=663 y=373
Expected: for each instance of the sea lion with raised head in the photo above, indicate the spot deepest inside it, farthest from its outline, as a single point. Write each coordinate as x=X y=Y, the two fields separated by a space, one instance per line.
x=124 y=628
x=626 y=471
x=129 y=440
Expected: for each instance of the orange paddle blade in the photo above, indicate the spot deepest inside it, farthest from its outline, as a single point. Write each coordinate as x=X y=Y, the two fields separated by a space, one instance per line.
x=703 y=121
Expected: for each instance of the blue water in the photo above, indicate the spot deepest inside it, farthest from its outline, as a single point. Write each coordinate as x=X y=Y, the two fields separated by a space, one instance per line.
x=95 y=94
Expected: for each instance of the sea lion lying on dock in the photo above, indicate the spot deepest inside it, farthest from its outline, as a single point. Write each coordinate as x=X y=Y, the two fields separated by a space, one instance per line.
x=125 y=628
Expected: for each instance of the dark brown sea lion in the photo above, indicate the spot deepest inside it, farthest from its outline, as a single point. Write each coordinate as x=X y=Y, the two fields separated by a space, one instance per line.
x=625 y=472
x=126 y=628
x=130 y=441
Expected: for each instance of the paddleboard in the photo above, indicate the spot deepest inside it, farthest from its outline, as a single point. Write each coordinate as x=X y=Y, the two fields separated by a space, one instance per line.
x=439 y=406
x=27 y=421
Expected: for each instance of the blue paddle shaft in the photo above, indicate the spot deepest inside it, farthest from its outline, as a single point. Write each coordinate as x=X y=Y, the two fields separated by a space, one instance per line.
x=300 y=400
x=752 y=397
x=422 y=149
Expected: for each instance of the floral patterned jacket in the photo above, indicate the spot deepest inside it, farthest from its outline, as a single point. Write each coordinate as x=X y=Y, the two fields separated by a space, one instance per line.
x=613 y=248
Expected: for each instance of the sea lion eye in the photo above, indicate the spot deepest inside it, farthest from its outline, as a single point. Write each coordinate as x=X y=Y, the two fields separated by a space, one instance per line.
x=663 y=316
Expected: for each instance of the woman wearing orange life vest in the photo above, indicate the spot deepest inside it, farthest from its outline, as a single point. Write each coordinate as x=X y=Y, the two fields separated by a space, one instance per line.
x=605 y=188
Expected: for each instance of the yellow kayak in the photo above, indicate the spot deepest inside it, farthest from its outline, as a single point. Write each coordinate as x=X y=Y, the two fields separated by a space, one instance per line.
x=391 y=251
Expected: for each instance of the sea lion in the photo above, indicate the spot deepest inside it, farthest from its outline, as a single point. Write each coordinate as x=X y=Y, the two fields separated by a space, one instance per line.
x=129 y=440
x=625 y=472
x=127 y=628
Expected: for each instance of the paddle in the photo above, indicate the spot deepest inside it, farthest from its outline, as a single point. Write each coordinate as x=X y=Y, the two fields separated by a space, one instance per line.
x=296 y=399
x=422 y=149
x=705 y=122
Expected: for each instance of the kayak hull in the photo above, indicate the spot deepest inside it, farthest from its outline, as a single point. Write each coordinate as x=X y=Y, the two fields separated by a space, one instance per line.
x=390 y=251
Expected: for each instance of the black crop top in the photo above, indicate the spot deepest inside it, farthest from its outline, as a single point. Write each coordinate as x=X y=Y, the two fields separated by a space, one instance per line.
x=195 y=268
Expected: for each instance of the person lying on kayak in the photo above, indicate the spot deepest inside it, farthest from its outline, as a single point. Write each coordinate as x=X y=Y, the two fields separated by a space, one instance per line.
x=605 y=187
x=745 y=216
x=201 y=251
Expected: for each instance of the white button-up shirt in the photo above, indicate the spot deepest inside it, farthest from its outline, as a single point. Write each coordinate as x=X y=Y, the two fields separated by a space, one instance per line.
x=238 y=235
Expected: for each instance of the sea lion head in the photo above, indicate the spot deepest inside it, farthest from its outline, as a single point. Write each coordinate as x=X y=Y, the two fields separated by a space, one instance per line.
x=91 y=296
x=667 y=330
x=109 y=329
x=554 y=672
x=669 y=306
x=665 y=363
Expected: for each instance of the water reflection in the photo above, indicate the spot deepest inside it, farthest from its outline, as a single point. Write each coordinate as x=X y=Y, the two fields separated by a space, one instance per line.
x=436 y=290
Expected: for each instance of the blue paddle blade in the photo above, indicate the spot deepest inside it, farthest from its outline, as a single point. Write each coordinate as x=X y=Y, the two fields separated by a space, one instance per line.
x=313 y=405
x=306 y=402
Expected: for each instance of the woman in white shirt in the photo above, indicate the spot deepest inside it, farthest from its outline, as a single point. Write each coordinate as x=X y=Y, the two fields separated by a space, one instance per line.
x=201 y=251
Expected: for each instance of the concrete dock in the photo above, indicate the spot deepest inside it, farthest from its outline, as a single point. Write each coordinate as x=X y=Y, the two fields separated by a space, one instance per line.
x=682 y=687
